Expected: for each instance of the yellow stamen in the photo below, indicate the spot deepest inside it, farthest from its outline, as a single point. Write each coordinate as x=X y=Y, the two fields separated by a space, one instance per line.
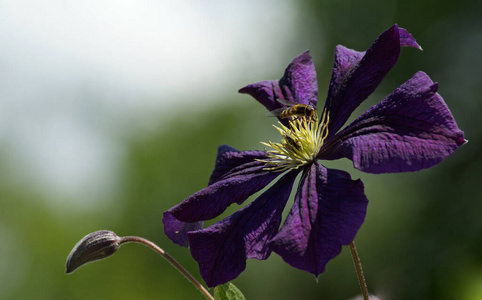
x=300 y=144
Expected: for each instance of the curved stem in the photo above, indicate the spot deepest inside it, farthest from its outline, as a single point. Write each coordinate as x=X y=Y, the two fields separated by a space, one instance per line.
x=359 y=271
x=170 y=259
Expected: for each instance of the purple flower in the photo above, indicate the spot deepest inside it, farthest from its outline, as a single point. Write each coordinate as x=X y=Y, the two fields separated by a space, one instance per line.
x=411 y=129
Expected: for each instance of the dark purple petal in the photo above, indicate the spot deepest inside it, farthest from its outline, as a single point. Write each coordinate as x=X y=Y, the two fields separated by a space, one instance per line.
x=411 y=129
x=298 y=85
x=266 y=92
x=222 y=249
x=214 y=199
x=357 y=74
x=329 y=209
x=407 y=40
x=177 y=230
x=229 y=160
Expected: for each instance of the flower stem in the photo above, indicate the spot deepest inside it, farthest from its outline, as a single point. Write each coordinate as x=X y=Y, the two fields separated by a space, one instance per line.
x=171 y=260
x=359 y=271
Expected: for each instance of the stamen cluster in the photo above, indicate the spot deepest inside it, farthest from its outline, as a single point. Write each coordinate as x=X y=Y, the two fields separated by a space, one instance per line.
x=300 y=144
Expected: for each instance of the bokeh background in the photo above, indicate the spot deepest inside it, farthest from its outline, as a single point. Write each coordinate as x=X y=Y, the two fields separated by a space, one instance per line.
x=111 y=112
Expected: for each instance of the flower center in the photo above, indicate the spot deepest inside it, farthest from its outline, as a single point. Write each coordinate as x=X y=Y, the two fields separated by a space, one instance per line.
x=300 y=143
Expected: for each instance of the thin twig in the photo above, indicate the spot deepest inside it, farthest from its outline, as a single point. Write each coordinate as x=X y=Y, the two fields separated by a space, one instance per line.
x=359 y=271
x=171 y=260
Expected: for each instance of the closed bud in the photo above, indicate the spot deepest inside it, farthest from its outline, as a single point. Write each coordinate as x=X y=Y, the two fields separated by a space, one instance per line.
x=92 y=247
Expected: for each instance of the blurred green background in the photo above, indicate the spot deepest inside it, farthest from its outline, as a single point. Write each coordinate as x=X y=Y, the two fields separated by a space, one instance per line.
x=111 y=112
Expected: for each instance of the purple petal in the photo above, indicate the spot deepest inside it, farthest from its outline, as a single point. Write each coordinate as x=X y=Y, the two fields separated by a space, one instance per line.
x=357 y=74
x=214 y=199
x=298 y=85
x=229 y=161
x=329 y=209
x=177 y=230
x=266 y=92
x=411 y=129
x=407 y=40
x=222 y=249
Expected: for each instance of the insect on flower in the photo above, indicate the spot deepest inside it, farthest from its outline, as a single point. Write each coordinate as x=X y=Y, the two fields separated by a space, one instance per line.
x=292 y=110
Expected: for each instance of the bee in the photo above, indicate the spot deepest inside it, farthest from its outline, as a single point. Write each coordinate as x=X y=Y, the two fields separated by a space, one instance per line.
x=292 y=110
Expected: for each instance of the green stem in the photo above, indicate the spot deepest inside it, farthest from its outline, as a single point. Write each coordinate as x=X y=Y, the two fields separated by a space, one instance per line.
x=170 y=259
x=359 y=271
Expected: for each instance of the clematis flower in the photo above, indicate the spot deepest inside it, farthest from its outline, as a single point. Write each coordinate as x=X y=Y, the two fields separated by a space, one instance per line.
x=409 y=130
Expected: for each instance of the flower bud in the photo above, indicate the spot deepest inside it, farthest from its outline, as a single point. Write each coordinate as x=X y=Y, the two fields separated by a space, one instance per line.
x=94 y=246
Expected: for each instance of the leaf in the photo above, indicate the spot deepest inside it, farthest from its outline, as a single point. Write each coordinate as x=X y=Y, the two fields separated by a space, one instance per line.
x=228 y=291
